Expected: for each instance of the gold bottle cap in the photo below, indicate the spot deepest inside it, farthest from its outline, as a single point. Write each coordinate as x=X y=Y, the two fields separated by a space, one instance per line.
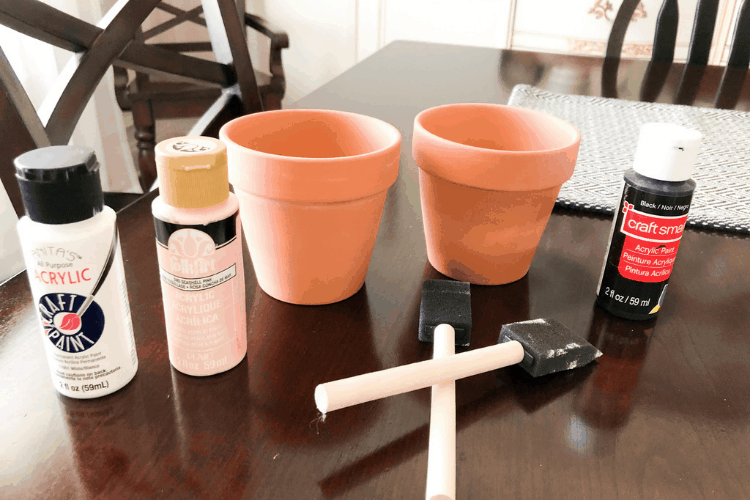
x=192 y=172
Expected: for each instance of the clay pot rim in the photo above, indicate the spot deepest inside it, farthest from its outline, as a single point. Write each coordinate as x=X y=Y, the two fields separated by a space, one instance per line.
x=395 y=139
x=418 y=124
x=313 y=180
x=494 y=169
x=296 y=200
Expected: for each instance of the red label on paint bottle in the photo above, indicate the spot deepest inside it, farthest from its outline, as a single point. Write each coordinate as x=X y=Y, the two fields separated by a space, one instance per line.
x=650 y=244
x=646 y=234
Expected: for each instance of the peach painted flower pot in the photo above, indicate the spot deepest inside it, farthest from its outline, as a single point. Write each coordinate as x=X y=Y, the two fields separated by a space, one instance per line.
x=488 y=177
x=311 y=186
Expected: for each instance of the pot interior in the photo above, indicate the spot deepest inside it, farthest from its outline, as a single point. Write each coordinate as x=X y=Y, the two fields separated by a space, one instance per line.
x=311 y=134
x=501 y=128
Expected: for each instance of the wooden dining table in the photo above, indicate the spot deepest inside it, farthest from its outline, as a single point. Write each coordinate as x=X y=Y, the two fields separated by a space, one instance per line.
x=664 y=413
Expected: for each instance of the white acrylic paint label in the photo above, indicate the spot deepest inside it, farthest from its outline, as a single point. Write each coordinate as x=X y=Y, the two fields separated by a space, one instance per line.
x=88 y=339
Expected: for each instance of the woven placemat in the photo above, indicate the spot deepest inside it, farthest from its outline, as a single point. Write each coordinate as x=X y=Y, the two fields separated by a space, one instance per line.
x=609 y=134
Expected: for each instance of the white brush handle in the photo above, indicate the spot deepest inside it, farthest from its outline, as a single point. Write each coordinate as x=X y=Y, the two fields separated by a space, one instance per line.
x=441 y=457
x=371 y=386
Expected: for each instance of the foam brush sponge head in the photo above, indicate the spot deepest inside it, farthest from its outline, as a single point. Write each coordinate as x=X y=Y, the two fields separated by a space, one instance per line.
x=449 y=302
x=549 y=346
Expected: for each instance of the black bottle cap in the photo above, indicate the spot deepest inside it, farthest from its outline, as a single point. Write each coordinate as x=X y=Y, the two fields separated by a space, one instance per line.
x=60 y=184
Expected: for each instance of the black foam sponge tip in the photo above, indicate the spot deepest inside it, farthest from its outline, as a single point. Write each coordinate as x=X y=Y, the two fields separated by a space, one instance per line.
x=445 y=301
x=549 y=346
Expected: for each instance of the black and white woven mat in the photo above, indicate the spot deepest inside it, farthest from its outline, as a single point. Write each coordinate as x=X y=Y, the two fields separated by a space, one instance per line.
x=609 y=134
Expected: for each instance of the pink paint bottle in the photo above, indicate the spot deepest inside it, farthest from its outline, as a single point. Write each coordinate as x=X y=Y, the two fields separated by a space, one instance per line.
x=199 y=245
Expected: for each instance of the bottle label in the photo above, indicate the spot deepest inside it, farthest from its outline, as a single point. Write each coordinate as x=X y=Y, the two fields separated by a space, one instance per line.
x=203 y=293
x=649 y=245
x=645 y=237
x=65 y=326
x=82 y=304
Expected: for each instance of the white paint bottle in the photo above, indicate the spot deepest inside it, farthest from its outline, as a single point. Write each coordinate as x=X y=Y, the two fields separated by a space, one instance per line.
x=199 y=245
x=74 y=264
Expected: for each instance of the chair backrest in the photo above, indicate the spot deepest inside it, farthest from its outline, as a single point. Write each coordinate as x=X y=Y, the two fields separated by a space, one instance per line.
x=113 y=42
x=700 y=40
x=662 y=55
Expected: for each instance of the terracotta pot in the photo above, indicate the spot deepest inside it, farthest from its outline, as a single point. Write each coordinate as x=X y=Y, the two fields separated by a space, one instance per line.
x=489 y=176
x=311 y=186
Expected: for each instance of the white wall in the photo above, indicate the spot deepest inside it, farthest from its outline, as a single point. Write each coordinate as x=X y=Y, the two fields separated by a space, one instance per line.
x=483 y=23
x=323 y=40
x=328 y=37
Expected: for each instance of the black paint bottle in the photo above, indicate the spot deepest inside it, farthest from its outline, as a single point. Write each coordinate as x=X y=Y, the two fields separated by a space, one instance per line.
x=649 y=222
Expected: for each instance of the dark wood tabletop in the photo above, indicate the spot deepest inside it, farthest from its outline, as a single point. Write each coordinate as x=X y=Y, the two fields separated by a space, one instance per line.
x=665 y=413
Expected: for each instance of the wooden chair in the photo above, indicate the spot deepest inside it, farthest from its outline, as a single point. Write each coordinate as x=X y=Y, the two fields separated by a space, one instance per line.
x=150 y=98
x=700 y=41
x=662 y=54
x=114 y=41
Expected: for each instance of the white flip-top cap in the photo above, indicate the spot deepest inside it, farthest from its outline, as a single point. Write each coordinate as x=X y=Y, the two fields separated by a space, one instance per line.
x=667 y=151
